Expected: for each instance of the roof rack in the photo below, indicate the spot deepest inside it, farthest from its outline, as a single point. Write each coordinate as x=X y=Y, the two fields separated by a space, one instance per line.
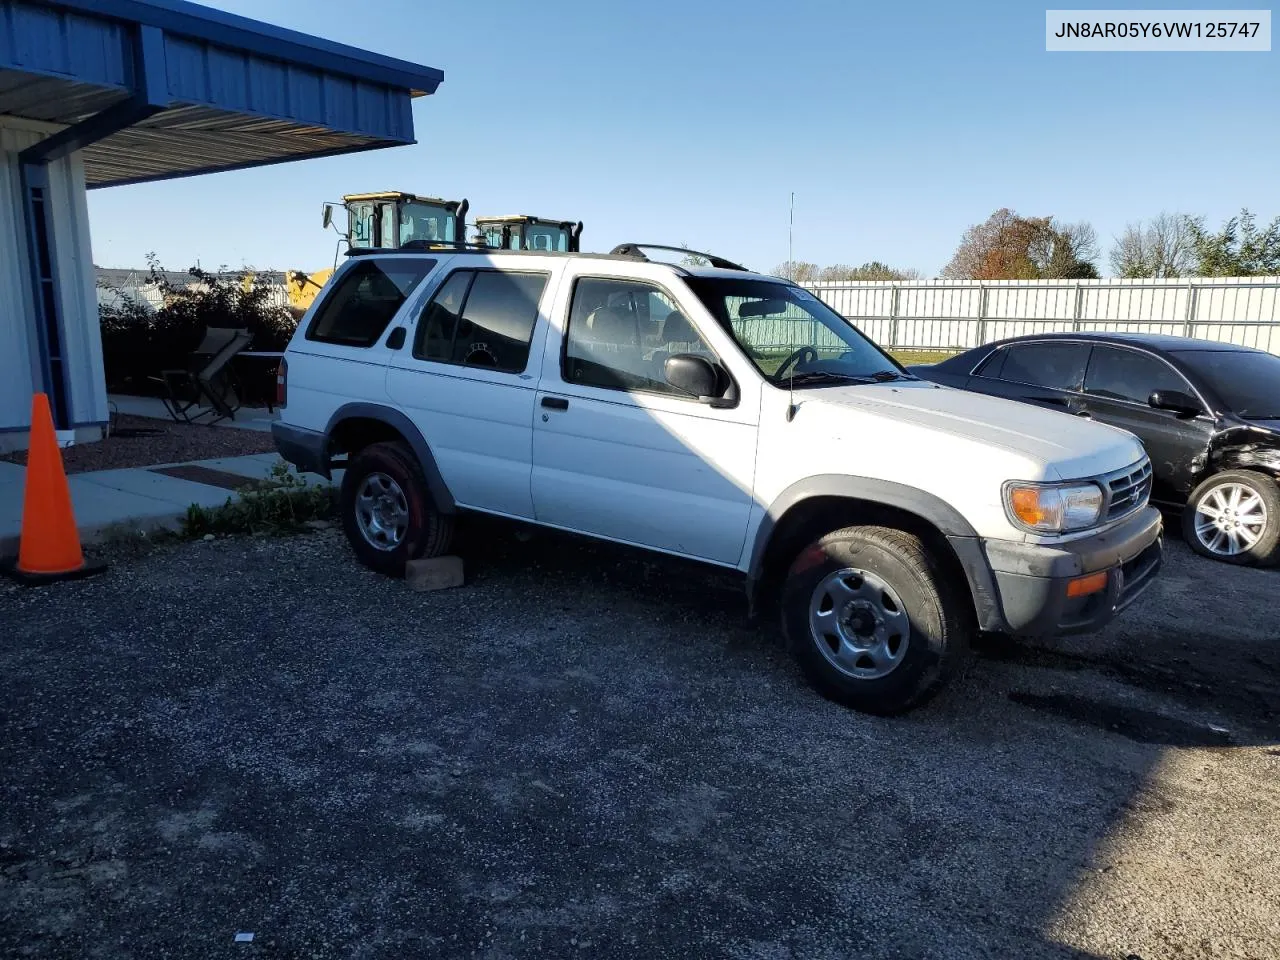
x=637 y=250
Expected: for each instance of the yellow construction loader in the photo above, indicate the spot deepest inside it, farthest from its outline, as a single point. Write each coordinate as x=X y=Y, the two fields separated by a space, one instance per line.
x=393 y=218
x=524 y=232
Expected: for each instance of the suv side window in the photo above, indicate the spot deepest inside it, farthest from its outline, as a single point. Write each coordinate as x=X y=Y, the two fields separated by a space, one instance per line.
x=1056 y=365
x=481 y=318
x=1119 y=374
x=621 y=333
x=365 y=301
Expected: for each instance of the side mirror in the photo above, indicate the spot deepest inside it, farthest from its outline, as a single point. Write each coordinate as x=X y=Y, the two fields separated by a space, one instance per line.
x=1183 y=404
x=693 y=375
x=328 y=216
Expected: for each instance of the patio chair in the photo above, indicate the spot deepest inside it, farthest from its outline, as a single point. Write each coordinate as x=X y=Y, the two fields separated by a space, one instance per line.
x=208 y=384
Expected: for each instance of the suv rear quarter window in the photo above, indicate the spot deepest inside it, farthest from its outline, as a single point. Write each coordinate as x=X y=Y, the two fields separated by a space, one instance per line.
x=365 y=300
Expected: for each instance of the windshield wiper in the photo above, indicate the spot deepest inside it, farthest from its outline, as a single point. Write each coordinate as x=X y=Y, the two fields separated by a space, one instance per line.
x=821 y=376
x=829 y=376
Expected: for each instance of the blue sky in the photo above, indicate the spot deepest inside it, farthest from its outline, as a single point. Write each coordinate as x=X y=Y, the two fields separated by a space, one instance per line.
x=897 y=125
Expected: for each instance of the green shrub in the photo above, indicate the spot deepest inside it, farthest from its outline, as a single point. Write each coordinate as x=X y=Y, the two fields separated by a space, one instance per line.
x=139 y=341
x=281 y=504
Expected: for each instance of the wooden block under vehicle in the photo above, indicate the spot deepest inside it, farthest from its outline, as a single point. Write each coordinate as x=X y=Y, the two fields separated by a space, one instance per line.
x=434 y=573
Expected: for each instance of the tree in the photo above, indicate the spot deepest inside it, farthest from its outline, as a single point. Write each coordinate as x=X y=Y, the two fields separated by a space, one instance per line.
x=692 y=259
x=1160 y=248
x=872 y=270
x=978 y=244
x=1072 y=252
x=1007 y=246
x=798 y=270
x=1240 y=249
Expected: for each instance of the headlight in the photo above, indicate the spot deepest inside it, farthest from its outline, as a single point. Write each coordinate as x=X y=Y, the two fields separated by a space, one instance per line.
x=1053 y=508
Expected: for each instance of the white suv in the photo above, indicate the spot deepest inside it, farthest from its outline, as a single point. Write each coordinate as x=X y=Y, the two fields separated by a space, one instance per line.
x=725 y=416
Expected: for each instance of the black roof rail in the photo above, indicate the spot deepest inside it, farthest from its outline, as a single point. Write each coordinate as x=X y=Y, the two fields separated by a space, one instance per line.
x=637 y=250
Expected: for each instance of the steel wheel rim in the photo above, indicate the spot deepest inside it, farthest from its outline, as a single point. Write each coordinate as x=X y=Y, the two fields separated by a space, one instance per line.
x=859 y=624
x=382 y=512
x=1230 y=519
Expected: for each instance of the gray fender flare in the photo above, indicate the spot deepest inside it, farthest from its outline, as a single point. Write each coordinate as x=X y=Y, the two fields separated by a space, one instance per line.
x=438 y=489
x=941 y=515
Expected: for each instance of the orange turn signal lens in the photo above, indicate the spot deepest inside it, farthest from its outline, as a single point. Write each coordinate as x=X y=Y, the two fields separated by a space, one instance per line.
x=1027 y=507
x=1083 y=586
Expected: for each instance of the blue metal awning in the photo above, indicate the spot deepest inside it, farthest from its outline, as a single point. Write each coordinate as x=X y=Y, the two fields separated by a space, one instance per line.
x=180 y=89
x=151 y=89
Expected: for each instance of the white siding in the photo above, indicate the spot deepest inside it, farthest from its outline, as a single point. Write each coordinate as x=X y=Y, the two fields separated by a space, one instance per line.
x=87 y=393
x=17 y=351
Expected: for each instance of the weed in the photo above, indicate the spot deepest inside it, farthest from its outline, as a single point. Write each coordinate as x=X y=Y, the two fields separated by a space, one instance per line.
x=283 y=503
x=122 y=541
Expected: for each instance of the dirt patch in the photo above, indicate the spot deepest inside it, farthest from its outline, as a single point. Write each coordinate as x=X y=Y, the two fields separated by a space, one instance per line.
x=213 y=478
x=143 y=441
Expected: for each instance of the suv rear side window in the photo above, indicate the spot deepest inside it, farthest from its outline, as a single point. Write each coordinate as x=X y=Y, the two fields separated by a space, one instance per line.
x=365 y=300
x=1119 y=374
x=1058 y=366
x=481 y=318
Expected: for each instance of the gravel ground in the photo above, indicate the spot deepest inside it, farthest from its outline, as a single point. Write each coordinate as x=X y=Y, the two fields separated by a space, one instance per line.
x=585 y=752
x=143 y=441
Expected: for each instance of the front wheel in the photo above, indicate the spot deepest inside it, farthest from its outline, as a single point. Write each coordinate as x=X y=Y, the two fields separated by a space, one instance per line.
x=872 y=620
x=387 y=513
x=1234 y=516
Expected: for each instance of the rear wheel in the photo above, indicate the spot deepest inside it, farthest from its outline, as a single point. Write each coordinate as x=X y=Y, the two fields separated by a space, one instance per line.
x=1234 y=516
x=387 y=513
x=872 y=620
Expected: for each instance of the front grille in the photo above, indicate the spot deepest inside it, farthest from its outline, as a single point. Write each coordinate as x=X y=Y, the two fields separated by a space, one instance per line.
x=1128 y=489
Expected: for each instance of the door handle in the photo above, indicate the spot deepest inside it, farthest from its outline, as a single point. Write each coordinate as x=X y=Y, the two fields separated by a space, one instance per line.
x=555 y=403
x=1084 y=413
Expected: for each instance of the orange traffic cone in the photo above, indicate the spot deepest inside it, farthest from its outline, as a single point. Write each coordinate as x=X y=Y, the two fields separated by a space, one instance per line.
x=50 y=546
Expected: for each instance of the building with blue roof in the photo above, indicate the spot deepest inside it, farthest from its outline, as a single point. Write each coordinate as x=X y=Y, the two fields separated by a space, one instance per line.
x=98 y=93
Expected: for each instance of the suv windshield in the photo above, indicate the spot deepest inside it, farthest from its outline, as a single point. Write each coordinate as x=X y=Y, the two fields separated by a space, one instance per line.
x=789 y=334
x=1247 y=381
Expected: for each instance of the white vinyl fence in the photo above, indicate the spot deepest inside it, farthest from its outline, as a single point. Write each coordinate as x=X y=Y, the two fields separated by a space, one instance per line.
x=953 y=315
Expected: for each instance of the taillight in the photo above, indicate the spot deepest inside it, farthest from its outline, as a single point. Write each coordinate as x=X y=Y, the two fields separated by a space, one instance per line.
x=282 y=382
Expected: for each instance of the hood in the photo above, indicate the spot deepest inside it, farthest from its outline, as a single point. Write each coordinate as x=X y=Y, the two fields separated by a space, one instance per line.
x=1071 y=446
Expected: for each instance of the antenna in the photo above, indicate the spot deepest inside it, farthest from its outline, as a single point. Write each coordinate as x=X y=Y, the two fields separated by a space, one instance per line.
x=791 y=265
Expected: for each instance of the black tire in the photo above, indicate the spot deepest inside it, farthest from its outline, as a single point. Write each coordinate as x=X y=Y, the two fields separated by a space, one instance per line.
x=1262 y=486
x=939 y=615
x=428 y=532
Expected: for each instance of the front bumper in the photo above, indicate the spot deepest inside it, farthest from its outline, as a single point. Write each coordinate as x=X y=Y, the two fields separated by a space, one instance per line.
x=1031 y=580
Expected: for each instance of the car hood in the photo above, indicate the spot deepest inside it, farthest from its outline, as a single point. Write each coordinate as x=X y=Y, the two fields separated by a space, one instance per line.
x=1071 y=446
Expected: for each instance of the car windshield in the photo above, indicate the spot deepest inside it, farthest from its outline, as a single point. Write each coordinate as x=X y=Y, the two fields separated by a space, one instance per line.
x=791 y=335
x=1247 y=381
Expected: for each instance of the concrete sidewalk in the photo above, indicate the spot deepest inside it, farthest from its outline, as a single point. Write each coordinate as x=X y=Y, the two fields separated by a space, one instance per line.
x=135 y=498
x=246 y=418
